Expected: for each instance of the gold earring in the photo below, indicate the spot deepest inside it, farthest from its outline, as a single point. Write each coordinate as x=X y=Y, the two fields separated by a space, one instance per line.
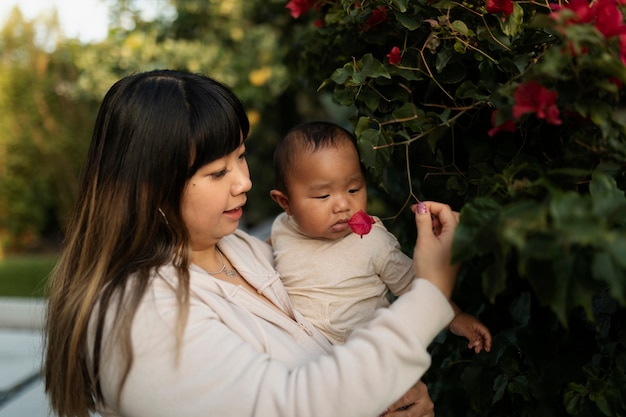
x=163 y=214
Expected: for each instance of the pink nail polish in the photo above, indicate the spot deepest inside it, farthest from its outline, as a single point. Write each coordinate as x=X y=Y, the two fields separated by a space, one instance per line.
x=421 y=208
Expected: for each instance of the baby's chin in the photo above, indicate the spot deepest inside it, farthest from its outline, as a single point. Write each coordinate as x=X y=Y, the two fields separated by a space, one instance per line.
x=336 y=235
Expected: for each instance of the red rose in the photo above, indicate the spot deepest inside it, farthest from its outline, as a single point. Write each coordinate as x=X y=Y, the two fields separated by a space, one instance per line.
x=361 y=223
x=532 y=97
x=394 y=56
x=500 y=6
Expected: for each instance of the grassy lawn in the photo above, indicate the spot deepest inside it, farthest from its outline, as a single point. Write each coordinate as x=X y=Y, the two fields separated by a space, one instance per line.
x=25 y=275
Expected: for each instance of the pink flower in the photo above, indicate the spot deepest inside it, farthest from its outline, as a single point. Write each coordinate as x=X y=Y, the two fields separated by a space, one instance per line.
x=500 y=6
x=584 y=13
x=299 y=7
x=609 y=19
x=604 y=14
x=361 y=223
x=378 y=17
x=394 y=56
x=506 y=126
x=532 y=97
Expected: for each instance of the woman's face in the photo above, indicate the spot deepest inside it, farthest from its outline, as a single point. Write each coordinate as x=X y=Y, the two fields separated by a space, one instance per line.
x=213 y=198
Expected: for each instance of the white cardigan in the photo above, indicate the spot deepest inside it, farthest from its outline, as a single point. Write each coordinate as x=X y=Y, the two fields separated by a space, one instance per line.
x=242 y=357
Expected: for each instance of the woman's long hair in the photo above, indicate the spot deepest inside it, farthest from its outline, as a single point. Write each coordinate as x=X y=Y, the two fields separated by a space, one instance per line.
x=152 y=133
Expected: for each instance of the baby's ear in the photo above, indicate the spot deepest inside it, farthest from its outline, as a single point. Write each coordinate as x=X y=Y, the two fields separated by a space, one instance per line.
x=282 y=200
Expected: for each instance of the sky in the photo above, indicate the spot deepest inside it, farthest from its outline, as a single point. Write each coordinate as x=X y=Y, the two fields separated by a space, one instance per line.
x=86 y=20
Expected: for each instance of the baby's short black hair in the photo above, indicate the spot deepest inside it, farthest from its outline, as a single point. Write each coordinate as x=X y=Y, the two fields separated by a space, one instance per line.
x=306 y=137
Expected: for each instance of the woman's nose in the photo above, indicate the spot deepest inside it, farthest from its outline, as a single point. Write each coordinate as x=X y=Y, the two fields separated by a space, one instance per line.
x=242 y=182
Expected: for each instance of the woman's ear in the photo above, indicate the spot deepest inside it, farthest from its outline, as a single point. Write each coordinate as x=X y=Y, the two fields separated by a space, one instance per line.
x=282 y=200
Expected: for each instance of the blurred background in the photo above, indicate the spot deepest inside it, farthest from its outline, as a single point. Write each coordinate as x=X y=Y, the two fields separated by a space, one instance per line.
x=59 y=57
x=542 y=242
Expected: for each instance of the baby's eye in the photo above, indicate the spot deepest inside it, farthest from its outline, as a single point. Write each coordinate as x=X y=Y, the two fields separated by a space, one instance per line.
x=321 y=197
x=353 y=190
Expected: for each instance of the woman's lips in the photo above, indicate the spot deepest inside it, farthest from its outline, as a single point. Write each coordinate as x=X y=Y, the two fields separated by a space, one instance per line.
x=234 y=214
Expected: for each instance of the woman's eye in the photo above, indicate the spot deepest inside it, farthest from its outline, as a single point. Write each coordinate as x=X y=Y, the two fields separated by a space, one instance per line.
x=219 y=174
x=243 y=155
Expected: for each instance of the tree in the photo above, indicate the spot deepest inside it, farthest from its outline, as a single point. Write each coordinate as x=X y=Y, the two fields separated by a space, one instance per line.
x=50 y=94
x=513 y=113
x=235 y=42
x=38 y=150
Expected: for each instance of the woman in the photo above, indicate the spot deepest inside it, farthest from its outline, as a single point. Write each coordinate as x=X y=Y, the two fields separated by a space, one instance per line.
x=160 y=306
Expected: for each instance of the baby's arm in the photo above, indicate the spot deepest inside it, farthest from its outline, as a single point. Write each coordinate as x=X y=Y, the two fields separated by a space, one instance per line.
x=471 y=328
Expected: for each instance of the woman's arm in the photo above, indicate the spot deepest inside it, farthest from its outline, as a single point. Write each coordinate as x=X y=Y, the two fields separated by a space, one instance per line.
x=219 y=371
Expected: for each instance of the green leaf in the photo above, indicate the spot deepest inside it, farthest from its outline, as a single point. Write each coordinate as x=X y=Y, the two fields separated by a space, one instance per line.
x=341 y=75
x=444 y=116
x=409 y=22
x=512 y=25
x=370 y=98
x=573 y=217
x=616 y=245
x=443 y=57
x=468 y=90
x=607 y=198
x=499 y=387
x=556 y=294
x=402 y=5
x=522 y=219
x=572 y=398
x=408 y=74
x=605 y=269
x=475 y=234
x=344 y=96
x=461 y=27
x=410 y=115
x=434 y=137
x=361 y=125
x=374 y=159
x=370 y=67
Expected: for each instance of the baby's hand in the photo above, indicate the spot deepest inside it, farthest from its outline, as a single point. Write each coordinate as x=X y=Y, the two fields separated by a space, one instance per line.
x=473 y=330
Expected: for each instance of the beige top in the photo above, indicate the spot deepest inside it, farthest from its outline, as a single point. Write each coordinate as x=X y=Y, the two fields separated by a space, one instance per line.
x=242 y=357
x=338 y=284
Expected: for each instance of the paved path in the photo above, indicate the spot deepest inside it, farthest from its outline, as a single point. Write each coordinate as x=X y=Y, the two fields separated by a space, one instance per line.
x=21 y=387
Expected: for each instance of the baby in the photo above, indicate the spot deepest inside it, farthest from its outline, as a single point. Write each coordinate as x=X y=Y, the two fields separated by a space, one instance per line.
x=335 y=277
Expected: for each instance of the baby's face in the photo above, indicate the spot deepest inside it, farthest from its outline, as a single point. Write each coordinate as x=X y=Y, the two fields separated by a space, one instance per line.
x=325 y=190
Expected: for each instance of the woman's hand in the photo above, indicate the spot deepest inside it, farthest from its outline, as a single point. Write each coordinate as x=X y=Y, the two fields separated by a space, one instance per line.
x=436 y=224
x=415 y=403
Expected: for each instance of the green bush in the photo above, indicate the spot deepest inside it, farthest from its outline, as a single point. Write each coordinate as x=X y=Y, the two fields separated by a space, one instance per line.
x=513 y=113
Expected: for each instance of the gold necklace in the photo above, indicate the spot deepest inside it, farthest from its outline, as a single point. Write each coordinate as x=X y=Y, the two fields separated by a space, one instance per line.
x=227 y=271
